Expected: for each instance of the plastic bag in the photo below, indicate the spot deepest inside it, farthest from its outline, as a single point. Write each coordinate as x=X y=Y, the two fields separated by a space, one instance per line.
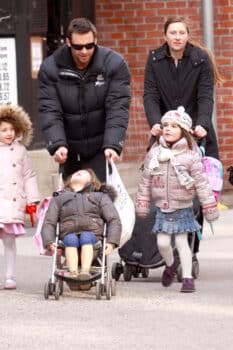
x=123 y=203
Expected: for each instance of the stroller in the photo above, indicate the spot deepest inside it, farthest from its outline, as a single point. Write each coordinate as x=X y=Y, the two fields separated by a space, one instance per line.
x=100 y=273
x=140 y=253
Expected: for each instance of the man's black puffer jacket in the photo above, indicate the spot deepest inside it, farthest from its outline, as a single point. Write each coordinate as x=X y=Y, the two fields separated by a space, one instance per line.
x=84 y=112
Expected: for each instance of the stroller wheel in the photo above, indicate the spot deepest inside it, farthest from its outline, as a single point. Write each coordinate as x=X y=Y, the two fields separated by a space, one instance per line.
x=61 y=287
x=145 y=272
x=108 y=290
x=127 y=272
x=48 y=289
x=135 y=271
x=195 y=268
x=113 y=287
x=116 y=271
x=57 y=291
x=98 y=290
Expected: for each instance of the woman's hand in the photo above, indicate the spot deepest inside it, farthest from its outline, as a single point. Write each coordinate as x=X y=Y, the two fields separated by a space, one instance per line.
x=199 y=132
x=156 y=130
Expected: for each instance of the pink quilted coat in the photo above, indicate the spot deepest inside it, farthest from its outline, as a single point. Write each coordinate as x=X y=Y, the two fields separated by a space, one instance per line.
x=163 y=185
x=18 y=183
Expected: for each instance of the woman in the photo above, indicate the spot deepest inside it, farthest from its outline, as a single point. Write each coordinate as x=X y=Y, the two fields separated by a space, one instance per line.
x=181 y=73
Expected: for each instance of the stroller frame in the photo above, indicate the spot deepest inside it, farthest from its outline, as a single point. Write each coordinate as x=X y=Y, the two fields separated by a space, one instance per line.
x=100 y=278
x=131 y=269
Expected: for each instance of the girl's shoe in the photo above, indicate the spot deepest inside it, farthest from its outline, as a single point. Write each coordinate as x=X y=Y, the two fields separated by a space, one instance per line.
x=188 y=285
x=10 y=284
x=170 y=272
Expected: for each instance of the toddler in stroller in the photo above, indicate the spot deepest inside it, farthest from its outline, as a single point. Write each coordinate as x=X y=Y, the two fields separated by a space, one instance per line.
x=81 y=216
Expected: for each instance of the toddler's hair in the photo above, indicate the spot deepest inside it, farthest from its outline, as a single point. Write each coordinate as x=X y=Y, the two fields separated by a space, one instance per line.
x=96 y=184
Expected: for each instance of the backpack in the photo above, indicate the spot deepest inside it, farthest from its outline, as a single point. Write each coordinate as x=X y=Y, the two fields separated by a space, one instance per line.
x=214 y=170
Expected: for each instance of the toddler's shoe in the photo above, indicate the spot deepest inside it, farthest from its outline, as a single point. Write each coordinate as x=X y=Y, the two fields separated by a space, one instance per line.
x=188 y=285
x=73 y=274
x=170 y=272
x=10 y=284
x=83 y=275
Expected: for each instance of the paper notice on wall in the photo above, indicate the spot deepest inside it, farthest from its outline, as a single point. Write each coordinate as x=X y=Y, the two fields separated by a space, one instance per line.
x=8 y=75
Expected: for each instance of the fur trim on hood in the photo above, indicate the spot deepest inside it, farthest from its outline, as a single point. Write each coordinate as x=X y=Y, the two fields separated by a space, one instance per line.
x=20 y=120
x=110 y=190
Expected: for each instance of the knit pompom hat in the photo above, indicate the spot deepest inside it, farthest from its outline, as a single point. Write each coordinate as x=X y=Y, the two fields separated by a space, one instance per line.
x=179 y=117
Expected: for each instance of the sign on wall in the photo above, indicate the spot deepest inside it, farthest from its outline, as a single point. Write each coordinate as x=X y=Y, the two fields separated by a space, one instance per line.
x=8 y=75
x=36 y=55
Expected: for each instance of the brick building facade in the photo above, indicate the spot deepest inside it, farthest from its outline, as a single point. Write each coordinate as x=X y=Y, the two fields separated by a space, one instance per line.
x=133 y=27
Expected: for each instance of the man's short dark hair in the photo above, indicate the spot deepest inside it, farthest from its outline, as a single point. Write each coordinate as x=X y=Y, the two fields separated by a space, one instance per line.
x=82 y=26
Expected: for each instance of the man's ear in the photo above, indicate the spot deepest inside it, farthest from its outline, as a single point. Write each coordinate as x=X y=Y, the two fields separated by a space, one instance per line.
x=68 y=42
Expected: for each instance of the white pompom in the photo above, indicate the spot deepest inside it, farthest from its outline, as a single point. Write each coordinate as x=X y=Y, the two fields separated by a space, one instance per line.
x=181 y=109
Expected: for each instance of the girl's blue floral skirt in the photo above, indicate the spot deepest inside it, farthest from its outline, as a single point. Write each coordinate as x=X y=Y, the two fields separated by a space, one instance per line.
x=178 y=221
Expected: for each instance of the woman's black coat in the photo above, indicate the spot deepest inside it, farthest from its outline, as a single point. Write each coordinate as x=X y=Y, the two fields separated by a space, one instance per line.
x=190 y=84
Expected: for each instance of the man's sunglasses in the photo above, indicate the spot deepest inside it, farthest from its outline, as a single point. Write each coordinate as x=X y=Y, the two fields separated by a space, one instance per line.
x=79 y=47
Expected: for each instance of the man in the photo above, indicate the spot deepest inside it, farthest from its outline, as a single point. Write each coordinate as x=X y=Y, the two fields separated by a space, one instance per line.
x=84 y=99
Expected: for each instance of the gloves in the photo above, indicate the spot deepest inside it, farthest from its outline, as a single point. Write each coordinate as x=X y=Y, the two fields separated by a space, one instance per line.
x=210 y=212
x=31 y=209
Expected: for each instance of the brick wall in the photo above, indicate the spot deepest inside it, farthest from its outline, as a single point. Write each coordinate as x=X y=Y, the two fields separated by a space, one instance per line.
x=133 y=27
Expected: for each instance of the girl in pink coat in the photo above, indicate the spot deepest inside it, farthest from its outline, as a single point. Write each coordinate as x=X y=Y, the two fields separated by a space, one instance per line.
x=173 y=174
x=18 y=184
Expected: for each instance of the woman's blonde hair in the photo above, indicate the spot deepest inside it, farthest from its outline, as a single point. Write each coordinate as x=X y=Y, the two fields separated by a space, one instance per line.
x=95 y=182
x=217 y=76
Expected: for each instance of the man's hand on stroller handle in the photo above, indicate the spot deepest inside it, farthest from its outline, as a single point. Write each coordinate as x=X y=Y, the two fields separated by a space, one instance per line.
x=111 y=154
x=60 y=156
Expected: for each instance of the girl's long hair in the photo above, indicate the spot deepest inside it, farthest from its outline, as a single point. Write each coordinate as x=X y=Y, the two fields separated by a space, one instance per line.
x=217 y=76
x=189 y=138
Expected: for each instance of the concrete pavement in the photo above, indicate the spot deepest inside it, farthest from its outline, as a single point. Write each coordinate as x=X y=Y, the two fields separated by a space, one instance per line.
x=143 y=314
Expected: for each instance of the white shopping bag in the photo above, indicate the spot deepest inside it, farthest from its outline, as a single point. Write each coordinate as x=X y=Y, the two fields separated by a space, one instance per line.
x=123 y=203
